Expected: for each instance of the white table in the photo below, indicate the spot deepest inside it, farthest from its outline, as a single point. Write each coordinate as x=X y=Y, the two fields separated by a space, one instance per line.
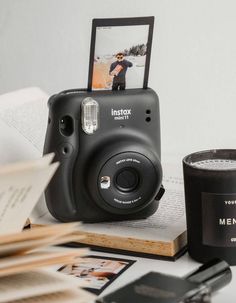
x=179 y=268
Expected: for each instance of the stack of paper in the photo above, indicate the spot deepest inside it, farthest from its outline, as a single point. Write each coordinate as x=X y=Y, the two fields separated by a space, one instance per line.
x=21 y=254
x=42 y=286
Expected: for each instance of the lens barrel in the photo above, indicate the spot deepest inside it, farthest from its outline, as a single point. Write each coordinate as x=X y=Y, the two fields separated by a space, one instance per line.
x=127 y=182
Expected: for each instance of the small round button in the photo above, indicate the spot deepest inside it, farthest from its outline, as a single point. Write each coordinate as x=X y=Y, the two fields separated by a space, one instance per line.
x=65 y=150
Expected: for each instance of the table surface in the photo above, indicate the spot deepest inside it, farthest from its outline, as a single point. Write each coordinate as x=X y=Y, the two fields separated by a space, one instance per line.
x=180 y=267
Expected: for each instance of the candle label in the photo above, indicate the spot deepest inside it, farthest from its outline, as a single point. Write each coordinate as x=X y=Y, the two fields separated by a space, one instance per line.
x=219 y=219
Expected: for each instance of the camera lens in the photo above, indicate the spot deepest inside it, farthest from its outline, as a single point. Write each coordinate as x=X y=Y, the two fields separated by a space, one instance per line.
x=127 y=179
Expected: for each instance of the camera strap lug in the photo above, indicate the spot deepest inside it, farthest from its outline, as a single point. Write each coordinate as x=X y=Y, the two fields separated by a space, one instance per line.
x=160 y=193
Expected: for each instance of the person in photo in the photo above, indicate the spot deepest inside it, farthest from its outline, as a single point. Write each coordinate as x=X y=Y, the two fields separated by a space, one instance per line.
x=118 y=70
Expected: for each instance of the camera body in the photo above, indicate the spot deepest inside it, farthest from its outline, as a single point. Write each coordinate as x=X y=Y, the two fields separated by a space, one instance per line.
x=108 y=146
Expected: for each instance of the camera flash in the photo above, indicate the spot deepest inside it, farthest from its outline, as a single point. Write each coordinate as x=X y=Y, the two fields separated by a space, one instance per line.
x=90 y=110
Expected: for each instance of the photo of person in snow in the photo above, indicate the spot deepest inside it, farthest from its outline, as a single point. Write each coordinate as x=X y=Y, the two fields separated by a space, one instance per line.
x=118 y=70
x=120 y=54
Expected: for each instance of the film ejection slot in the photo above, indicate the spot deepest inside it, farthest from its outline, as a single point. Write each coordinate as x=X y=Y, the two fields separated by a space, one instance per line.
x=89 y=118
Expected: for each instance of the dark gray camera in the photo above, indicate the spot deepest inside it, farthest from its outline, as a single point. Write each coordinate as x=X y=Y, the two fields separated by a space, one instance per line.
x=108 y=144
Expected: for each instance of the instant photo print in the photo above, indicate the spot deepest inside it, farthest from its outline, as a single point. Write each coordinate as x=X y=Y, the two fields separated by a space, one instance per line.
x=98 y=272
x=120 y=53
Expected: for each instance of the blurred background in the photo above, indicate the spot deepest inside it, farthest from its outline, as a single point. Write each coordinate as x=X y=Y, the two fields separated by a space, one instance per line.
x=46 y=43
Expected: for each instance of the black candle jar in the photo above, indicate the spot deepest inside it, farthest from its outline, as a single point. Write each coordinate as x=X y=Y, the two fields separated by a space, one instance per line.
x=210 y=200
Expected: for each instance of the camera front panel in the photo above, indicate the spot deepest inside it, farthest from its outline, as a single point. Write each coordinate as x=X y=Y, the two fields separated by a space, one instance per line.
x=123 y=151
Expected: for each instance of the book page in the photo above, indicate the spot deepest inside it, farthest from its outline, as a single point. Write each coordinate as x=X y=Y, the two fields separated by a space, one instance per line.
x=26 y=263
x=19 y=193
x=39 y=256
x=57 y=230
x=14 y=147
x=36 y=164
x=69 y=296
x=23 y=121
x=35 y=283
x=27 y=246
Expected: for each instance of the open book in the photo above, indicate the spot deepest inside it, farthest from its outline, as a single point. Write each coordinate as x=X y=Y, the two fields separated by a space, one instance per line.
x=21 y=185
x=163 y=234
x=22 y=256
x=42 y=286
x=23 y=122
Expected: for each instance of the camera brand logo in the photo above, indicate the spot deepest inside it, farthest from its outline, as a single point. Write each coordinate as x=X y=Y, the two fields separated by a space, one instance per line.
x=121 y=114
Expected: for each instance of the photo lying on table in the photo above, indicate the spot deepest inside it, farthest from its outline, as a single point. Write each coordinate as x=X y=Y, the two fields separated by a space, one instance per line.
x=120 y=53
x=98 y=272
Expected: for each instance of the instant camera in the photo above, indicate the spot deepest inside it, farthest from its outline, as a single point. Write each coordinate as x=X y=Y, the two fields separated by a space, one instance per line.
x=108 y=146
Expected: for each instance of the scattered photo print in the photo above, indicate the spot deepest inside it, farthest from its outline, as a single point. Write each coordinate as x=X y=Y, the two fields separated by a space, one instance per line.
x=98 y=272
x=120 y=53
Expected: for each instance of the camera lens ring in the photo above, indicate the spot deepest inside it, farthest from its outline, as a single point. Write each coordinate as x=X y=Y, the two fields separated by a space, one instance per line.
x=119 y=202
